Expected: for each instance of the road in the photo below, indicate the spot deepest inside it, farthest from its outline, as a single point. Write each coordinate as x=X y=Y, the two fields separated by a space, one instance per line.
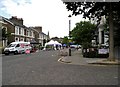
x=42 y=68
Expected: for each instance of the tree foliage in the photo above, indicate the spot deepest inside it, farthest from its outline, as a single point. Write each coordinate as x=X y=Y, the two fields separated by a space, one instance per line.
x=5 y=35
x=83 y=32
x=65 y=40
x=92 y=9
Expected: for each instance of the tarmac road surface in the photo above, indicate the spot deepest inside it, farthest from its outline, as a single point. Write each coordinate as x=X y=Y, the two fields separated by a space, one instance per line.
x=43 y=68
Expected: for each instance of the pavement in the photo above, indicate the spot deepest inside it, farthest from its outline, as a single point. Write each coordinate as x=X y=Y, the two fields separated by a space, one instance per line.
x=76 y=58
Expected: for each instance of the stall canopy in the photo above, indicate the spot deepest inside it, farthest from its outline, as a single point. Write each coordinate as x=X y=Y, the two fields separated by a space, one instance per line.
x=56 y=45
x=52 y=42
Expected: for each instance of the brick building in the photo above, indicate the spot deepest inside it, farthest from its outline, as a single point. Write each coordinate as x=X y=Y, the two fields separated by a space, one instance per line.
x=19 y=32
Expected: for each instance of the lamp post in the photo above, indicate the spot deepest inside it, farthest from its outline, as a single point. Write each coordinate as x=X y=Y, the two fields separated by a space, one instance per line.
x=69 y=34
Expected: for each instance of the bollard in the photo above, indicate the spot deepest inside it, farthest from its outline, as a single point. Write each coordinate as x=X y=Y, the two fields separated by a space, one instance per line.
x=69 y=52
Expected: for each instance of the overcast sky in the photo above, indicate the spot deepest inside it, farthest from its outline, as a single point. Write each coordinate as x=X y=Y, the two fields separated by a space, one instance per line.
x=52 y=15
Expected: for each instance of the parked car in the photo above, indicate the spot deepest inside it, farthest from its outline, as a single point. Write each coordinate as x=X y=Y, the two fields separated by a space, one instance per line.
x=17 y=47
x=75 y=46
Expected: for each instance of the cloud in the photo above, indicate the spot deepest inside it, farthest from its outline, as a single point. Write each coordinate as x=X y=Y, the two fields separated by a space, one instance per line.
x=52 y=15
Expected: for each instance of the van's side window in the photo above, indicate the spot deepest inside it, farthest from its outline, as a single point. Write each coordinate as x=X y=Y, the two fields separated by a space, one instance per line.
x=18 y=45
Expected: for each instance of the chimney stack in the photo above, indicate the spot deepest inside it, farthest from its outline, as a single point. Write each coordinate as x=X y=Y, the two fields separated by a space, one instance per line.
x=38 y=28
x=18 y=20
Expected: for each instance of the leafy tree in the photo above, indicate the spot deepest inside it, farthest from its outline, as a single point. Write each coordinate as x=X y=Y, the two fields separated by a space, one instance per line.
x=5 y=35
x=65 y=40
x=83 y=32
x=97 y=9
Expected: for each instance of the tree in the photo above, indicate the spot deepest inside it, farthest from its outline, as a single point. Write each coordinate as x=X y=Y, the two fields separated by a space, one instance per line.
x=117 y=37
x=83 y=32
x=97 y=9
x=116 y=22
x=65 y=40
x=5 y=35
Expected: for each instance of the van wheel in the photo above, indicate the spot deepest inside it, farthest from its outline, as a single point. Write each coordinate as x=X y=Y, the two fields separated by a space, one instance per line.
x=16 y=52
x=6 y=53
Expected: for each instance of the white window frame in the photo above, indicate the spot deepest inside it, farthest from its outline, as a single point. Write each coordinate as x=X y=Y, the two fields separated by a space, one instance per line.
x=39 y=36
x=28 y=32
x=32 y=33
x=16 y=30
x=22 y=31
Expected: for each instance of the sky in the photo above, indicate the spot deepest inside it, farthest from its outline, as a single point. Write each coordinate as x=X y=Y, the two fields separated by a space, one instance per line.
x=52 y=15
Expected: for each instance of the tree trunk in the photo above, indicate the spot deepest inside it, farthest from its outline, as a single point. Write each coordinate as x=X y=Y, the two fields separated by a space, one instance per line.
x=111 y=36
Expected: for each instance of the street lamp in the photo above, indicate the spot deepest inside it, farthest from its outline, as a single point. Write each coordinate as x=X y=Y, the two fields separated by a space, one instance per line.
x=69 y=34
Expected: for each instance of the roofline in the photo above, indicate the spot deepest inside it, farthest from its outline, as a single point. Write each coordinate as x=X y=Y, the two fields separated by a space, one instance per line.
x=43 y=33
x=33 y=29
x=7 y=21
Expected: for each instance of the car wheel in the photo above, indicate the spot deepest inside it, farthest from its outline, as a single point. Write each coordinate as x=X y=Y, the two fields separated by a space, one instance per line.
x=6 y=53
x=16 y=52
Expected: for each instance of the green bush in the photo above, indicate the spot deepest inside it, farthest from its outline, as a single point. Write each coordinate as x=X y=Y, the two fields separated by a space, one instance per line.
x=86 y=45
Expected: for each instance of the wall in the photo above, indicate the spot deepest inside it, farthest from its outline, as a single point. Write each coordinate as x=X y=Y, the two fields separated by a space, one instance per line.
x=38 y=28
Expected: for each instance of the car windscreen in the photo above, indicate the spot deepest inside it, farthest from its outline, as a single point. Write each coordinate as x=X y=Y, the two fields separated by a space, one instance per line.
x=11 y=45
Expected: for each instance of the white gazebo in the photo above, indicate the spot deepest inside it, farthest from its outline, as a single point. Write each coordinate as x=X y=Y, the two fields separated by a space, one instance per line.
x=53 y=43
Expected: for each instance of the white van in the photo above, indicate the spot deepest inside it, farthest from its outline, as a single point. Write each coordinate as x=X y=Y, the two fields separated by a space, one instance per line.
x=17 y=47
